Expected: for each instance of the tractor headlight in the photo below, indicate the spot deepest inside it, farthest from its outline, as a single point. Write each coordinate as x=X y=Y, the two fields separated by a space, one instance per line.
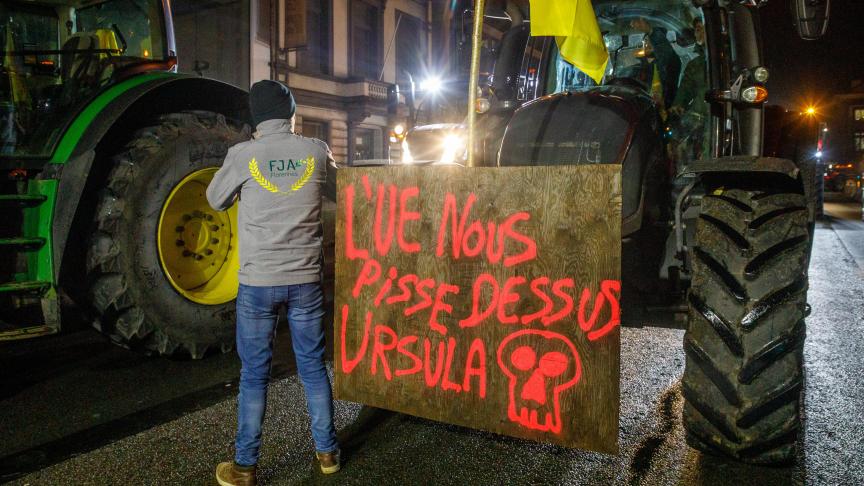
x=754 y=94
x=760 y=74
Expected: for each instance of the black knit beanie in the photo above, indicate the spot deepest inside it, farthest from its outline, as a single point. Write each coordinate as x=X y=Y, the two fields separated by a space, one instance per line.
x=271 y=100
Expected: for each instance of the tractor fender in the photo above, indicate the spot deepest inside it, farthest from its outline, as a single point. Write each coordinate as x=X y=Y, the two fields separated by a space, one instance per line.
x=804 y=178
x=106 y=124
x=604 y=125
x=744 y=164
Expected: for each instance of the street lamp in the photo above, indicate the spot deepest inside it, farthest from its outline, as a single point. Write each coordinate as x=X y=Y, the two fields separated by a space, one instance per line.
x=431 y=85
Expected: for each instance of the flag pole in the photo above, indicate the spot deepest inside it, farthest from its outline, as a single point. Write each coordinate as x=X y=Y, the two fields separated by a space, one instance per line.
x=477 y=39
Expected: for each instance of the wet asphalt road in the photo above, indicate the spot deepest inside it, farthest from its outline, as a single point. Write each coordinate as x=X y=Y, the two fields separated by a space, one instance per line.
x=185 y=420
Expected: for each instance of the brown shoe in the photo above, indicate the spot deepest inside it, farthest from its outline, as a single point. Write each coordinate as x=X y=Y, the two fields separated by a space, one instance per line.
x=230 y=474
x=329 y=461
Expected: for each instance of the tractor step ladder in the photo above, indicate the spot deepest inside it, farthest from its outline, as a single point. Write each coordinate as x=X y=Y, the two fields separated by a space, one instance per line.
x=22 y=243
x=25 y=287
x=21 y=200
x=28 y=300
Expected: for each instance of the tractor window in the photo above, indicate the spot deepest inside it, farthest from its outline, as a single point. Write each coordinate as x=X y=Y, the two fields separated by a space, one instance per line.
x=656 y=47
x=57 y=57
x=563 y=76
x=29 y=63
x=133 y=27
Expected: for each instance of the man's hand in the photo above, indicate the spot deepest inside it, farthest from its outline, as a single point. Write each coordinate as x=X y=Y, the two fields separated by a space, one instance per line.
x=641 y=25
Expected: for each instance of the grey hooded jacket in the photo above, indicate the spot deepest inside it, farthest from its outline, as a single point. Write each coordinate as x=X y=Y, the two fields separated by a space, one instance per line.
x=279 y=177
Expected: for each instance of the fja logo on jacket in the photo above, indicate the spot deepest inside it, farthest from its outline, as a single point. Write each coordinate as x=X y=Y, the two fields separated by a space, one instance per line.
x=269 y=186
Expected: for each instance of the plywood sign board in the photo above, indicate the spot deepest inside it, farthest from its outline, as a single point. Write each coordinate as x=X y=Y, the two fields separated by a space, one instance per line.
x=484 y=297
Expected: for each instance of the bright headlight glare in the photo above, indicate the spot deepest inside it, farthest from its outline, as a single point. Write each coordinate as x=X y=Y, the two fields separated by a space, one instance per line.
x=406 y=153
x=452 y=147
x=448 y=157
x=399 y=129
x=453 y=140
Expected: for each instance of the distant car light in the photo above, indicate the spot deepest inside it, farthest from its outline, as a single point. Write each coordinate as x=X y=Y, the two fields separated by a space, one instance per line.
x=818 y=154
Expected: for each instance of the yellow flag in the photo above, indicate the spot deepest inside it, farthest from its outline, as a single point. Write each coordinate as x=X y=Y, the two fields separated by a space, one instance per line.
x=575 y=28
x=552 y=17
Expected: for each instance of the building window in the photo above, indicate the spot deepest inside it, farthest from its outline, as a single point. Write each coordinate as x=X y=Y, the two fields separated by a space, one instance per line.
x=858 y=113
x=859 y=141
x=367 y=144
x=316 y=129
x=315 y=57
x=263 y=30
x=410 y=48
x=365 y=39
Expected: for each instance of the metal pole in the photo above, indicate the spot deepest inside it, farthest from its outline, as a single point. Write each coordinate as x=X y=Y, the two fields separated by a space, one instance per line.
x=274 y=38
x=387 y=54
x=477 y=39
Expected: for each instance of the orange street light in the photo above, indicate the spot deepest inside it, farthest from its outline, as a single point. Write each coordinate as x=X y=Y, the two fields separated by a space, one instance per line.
x=811 y=110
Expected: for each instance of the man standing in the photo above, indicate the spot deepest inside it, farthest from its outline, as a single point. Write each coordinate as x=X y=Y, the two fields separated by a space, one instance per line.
x=665 y=63
x=278 y=178
x=691 y=93
x=690 y=110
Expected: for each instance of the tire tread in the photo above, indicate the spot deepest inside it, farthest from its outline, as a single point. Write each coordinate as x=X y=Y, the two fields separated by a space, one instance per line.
x=743 y=376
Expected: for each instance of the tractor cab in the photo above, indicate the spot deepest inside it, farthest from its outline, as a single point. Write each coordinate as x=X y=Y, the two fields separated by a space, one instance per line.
x=657 y=52
x=657 y=62
x=58 y=54
x=648 y=112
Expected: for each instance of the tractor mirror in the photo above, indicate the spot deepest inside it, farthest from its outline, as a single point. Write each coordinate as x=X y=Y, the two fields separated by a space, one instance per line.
x=812 y=17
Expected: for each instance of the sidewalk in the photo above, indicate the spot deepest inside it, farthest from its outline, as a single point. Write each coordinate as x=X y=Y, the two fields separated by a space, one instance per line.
x=845 y=219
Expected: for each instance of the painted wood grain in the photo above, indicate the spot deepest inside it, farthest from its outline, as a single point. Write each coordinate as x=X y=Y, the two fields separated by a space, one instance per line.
x=532 y=367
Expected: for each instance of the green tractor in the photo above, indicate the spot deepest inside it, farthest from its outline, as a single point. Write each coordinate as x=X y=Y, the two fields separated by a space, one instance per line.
x=105 y=153
x=718 y=216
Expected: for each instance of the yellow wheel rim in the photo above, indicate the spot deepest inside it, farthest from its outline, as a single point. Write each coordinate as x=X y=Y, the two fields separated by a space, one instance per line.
x=197 y=245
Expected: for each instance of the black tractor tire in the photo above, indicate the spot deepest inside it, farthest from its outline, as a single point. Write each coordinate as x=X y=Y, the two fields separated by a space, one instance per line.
x=133 y=301
x=744 y=343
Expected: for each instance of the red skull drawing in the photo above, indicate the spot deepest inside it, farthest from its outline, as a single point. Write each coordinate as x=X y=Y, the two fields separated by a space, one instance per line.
x=540 y=365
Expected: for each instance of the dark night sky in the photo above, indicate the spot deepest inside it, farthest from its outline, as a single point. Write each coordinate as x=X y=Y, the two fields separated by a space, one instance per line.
x=811 y=71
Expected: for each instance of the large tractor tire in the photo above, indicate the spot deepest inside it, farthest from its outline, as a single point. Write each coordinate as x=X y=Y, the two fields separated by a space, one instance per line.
x=162 y=266
x=744 y=342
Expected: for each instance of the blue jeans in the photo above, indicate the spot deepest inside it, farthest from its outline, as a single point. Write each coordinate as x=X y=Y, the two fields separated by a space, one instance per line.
x=257 y=313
